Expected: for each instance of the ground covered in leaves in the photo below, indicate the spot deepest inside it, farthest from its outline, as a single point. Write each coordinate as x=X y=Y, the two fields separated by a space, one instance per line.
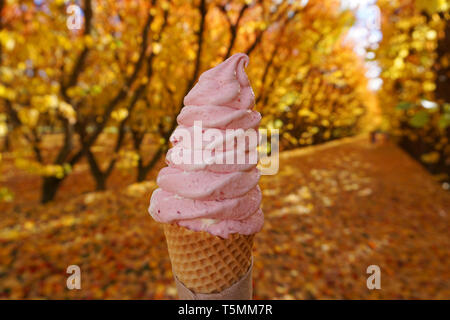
x=331 y=211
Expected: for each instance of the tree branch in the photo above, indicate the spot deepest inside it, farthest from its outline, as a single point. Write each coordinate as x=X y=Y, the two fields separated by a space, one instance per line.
x=166 y=135
x=272 y=57
x=2 y=5
x=203 y=11
x=73 y=78
x=109 y=107
x=234 y=27
x=266 y=72
x=275 y=16
x=79 y=64
x=33 y=139
x=137 y=94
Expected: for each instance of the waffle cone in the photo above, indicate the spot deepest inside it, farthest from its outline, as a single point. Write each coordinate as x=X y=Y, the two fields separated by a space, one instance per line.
x=205 y=263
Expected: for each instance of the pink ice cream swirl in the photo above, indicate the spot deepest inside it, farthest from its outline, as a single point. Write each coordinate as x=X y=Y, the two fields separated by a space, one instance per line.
x=217 y=198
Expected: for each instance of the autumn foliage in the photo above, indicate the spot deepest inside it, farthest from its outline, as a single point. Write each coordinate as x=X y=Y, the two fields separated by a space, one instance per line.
x=415 y=59
x=93 y=108
x=108 y=94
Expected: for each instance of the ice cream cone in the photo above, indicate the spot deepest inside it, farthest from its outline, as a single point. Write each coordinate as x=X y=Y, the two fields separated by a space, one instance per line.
x=210 y=208
x=205 y=263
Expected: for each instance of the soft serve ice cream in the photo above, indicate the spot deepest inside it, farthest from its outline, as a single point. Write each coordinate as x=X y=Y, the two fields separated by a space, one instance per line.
x=221 y=198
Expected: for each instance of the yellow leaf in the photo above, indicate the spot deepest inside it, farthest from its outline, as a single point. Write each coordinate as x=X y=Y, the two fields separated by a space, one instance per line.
x=156 y=47
x=431 y=157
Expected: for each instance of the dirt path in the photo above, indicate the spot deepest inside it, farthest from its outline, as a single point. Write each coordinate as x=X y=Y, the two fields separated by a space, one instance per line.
x=331 y=211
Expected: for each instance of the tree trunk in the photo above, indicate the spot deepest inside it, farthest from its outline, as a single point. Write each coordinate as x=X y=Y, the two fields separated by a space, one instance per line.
x=144 y=169
x=142 y=173
x=442 y=73
x=99 y=176
x=50 y=186
x=100 y=183
x=6 y=144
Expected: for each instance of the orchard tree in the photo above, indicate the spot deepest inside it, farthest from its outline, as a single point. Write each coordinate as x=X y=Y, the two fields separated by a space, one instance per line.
x=109 y=92
x=297 y=60
x=415 y=66
x=73 y=82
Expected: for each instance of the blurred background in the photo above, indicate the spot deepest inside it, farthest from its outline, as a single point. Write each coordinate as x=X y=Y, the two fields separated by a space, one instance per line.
x=89 y=94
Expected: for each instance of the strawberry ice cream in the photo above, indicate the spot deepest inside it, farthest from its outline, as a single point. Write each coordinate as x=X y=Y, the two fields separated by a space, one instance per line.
x=219 y=198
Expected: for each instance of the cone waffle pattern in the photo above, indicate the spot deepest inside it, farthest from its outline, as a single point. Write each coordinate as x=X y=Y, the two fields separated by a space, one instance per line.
x=205 y=263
